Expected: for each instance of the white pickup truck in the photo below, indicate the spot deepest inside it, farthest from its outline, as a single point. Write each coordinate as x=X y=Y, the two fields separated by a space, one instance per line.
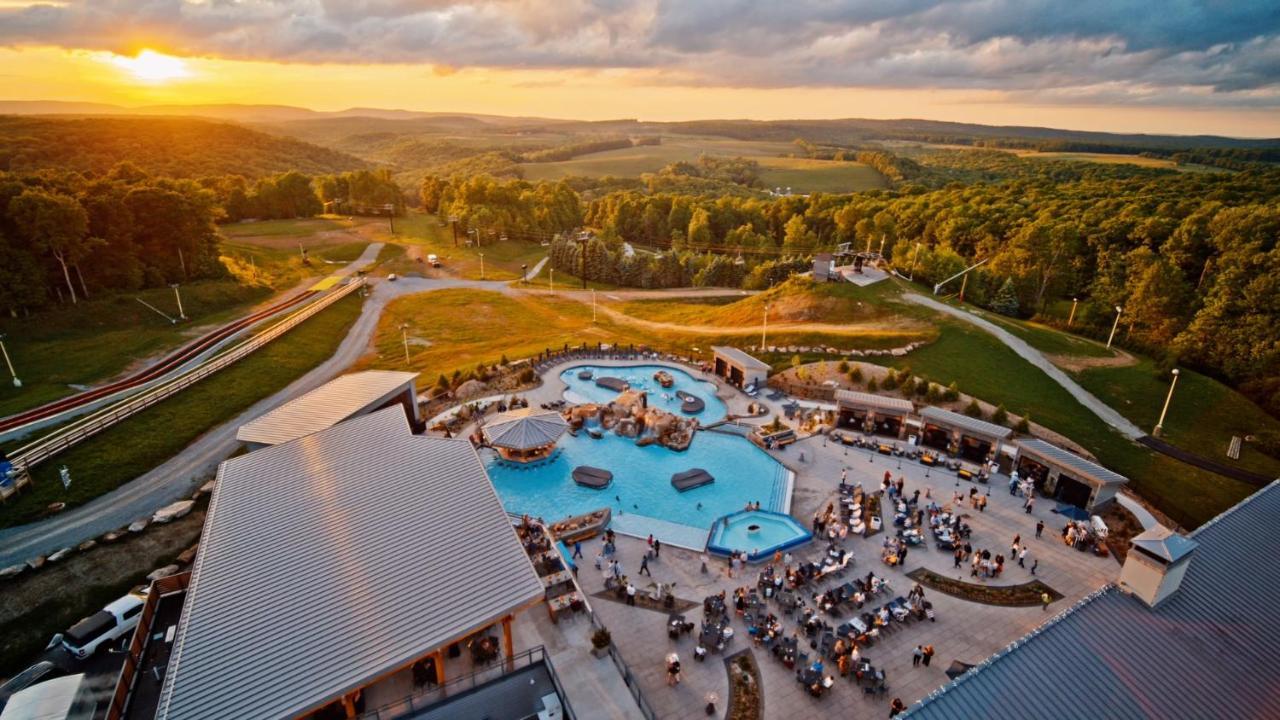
x=109 y=624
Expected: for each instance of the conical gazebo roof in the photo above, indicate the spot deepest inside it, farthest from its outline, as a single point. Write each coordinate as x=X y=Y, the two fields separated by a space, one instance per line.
x=524 y=429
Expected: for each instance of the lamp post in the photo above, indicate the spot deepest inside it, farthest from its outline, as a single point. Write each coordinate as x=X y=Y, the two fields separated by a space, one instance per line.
x=1167 y=399
x=1114 y=326
x=181 y=314
x=16 y=382
x=764 y=327
x=481 y=266
x=404 y=335
x=593 y=305
x=551 y=280
x=1072 y=318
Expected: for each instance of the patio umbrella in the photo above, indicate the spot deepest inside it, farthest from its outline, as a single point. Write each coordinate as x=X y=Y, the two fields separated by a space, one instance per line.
x=1071 y=512
x=957 y=669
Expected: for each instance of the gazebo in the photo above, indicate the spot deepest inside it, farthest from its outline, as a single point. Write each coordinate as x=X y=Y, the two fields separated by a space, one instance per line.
x=526 y=434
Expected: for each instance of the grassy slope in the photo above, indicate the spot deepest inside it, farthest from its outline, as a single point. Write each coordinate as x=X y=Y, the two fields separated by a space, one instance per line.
x=801 y=174
x=795 y=301
x=140 y=443
x=99 y=339
x=423 y=234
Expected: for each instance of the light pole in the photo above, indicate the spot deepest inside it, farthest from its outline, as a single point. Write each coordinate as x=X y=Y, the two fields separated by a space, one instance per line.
x=1167 y=399
x=764 y=327
x=1072 y=318
x=404 y=334
x=551 y=280
x=181 y=315
x=481 y=266
x=1114 y=326
x=16 y=382
x=593 y=305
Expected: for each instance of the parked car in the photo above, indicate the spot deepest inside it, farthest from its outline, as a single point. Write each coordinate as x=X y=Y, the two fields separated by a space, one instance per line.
x=38 y=673
x=391 y=277
x=109 y=624
x=433 y=260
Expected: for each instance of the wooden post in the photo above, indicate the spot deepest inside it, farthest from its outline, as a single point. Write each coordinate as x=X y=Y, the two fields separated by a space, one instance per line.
x=349 y=704
x=440 y=667
x=506 y=643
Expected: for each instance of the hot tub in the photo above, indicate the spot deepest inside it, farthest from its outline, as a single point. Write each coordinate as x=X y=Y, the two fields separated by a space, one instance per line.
x=760 y=533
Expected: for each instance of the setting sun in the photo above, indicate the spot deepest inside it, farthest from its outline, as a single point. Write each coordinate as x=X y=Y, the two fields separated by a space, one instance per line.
x=151 y=66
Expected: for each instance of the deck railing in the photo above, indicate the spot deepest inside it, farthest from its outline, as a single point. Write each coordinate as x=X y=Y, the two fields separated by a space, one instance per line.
x=128 y=671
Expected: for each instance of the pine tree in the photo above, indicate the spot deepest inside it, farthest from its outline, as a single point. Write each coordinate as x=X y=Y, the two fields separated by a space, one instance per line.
x=1006 y=299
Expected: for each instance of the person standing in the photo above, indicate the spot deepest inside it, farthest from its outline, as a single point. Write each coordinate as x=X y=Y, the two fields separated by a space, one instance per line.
x=1039 y=527
x=657 y=548
x=1030 y=501
x=959 y=554
x=644 y=566
x=928 y=654
x=1035 y=564
x=897 y=707
x=916 y=656
x=1045 y=599
x=577 y=550
x=631 y=594
x=1022 y=558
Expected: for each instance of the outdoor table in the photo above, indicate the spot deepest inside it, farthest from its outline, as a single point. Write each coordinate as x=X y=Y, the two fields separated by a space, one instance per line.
x=556 y=578
x=808 y=676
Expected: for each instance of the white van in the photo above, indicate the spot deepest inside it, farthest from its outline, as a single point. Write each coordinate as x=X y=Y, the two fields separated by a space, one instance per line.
x=433 y=261
x=105 y=626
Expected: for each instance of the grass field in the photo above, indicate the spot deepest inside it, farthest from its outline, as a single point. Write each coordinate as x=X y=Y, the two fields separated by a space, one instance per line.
x=98 y=339
x=138 y=444
x=795 y=301
x=422 y=234
x=801 y=174
x=282 y=232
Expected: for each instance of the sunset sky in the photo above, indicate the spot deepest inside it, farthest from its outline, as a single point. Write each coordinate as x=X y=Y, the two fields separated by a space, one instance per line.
x=1173 y=66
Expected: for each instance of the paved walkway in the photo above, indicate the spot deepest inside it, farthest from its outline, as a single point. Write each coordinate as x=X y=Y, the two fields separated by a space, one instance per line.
x=1035 y=357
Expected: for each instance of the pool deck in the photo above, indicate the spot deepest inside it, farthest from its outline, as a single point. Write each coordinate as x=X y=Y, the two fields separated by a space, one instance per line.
x=965 y=631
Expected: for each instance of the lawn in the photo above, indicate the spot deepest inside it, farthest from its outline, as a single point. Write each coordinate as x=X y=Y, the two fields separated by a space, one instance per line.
x=984 y=367
x=278 y=232
x=801 y=174
x=459 y=328
x=138 y=444
x=98 y=339
x=1203 y=415
x=422 y=234
x=798 y=300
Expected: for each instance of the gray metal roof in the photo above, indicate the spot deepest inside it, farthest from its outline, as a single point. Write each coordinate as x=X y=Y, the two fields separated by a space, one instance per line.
x=1071 y=462
x=330 y=560
x=740 y=357
x=326 y=406
x=1164 y=543
x=965 y=423
x=877 y=402
x=1207 y=652
x=524 y=429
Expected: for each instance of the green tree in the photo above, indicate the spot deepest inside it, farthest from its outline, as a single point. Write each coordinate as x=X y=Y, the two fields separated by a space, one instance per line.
x=973 y=409
x=55 y=224
x=1006 y=300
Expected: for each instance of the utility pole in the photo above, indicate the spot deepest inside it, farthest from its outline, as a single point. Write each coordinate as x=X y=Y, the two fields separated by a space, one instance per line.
x=764 y=327
x=1071 y=318
x=16 y=382
x=404 y=334
x=453 y=223
x=551 y=279
x=1114 y=326
x=181 y=314
x=1167 y=399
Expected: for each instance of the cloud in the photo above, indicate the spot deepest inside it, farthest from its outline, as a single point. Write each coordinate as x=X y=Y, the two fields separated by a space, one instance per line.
x=1116 y=51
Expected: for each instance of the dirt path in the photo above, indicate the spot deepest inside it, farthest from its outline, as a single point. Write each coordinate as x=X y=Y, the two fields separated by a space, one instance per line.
x=1077 y=363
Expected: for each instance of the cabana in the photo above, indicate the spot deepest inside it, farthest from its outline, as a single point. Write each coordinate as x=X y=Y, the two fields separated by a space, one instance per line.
x=690 y=479
x=872 y=413
x=1066 y=476
x=738 y=368
x=524 y=435
x=971 y=438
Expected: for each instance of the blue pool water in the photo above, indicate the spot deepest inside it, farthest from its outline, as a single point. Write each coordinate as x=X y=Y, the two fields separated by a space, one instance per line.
x=640 y=377
x=642 y=479
x=757 y=533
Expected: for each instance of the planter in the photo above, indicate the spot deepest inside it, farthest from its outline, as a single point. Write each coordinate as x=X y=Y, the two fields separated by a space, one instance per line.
x=746 y=694
x=1024 y=595
x=599 y=652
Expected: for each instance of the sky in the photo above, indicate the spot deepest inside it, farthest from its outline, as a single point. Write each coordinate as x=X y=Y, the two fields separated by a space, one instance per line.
x=1164 y=66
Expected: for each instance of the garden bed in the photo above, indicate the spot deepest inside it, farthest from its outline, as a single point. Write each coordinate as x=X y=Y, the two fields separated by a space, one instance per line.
x=746 y=694
x=1024 y=595
x=679 y=606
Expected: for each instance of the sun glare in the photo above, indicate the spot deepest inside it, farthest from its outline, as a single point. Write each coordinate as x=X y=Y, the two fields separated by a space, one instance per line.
x=151 y=66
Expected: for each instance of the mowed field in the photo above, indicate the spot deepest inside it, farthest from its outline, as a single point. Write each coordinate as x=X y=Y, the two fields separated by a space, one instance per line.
x=800 y=174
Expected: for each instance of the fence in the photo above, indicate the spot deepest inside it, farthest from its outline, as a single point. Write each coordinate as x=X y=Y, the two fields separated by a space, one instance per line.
x=434 y=694
x=633 y=686
x=28 y=456
x=124 y=683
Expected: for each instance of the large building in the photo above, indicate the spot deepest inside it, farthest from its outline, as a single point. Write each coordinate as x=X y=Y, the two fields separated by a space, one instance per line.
x=334 y=568
x=1066 y=476
x=1193 y=634
x=739 y=368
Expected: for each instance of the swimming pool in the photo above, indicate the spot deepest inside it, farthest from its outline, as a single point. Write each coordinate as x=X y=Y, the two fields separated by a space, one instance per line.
x=757 y=533
x=640 y=377
x=642 y=480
